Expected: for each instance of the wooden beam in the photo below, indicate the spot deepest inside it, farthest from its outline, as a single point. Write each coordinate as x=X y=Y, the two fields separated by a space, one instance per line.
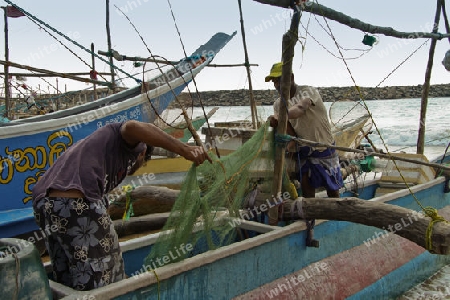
x=50 y=75
x=320 y=10
x=6 y=68
x=146 y=200
x=93 y=70
x=121 y=57
x=364 y=152
x=55 y=74
x=391 y=219
x=108 y=40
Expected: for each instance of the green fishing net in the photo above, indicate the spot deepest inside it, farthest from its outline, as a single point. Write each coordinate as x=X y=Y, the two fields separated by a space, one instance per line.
x=212 y=194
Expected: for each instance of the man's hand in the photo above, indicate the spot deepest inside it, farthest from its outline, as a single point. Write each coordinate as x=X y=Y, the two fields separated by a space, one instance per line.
x=134 y=132
x=273 y=121
x=292 y=146
x=196 y=154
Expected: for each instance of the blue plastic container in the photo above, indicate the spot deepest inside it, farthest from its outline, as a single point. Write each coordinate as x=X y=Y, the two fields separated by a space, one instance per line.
x=22 y=274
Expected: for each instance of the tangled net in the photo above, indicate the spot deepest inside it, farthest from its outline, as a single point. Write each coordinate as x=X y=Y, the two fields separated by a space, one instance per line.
x=232 y=186
x=211 y=193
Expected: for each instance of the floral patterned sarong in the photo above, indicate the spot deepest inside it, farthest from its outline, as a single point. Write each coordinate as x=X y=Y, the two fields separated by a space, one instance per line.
x=81 y=240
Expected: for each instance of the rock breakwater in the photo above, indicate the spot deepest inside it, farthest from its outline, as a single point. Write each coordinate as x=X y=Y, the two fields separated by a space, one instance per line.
x=329 y=94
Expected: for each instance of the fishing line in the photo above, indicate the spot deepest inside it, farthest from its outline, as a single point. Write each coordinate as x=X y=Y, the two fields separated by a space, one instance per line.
x=378 y=85
x=158 y=67
x=429 y=141
x=29 y=15
x=358 y=88
x=62 y=44
x=193 y=78
x=328 y=32
x=429 y=211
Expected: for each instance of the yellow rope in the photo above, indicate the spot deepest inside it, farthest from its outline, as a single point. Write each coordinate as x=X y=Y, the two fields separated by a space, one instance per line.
x=157 y=281
x=128 y=204
x=435 y=218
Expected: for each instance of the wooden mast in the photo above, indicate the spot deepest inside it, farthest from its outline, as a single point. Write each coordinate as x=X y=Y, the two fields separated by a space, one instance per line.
x=247 y=66
x=6 y=67
x=93 y=70
x=108 y=34
x=289 y=40
x=426 y=85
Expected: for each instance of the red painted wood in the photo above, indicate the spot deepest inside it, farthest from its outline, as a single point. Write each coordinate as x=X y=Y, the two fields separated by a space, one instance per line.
x=343 y=274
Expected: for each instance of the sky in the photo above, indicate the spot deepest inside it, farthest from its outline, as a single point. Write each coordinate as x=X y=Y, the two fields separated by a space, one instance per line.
x=317 y=61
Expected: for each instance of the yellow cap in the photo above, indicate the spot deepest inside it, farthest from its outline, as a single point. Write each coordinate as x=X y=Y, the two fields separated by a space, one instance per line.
x=275 y=72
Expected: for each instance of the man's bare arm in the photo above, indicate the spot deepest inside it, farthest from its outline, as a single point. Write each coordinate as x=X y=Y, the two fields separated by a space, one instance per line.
x=134 y=132
x=299 y=109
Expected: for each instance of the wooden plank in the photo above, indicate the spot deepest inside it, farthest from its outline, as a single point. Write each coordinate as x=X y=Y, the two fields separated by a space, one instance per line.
x=145 y=200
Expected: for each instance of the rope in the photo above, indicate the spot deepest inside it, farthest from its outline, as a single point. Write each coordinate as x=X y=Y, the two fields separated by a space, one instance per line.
x=435 y=218
x=158 y=282
x=129 y=202
x=281 y=140
x=70 y=40
x=428 y=211
x=363 y=51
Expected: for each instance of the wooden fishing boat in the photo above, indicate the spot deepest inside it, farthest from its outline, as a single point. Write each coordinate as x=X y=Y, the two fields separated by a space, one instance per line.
x=354 y=260
x=29 y=146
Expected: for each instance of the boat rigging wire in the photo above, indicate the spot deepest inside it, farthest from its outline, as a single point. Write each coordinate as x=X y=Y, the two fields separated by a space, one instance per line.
x=29 y=15
x=364 y=51
x=193 y=79
x=145 y=88
x=61 y=43
x=429 y=211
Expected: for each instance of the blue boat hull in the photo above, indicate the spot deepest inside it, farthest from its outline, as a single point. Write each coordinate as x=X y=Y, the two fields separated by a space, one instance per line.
x=25 y=157
x=30 y=146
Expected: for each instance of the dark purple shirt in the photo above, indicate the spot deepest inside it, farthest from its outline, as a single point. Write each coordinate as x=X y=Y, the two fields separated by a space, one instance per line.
x=94 y=165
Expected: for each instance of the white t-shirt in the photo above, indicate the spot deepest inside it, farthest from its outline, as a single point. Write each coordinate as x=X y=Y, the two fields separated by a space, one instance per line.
x=314 y=124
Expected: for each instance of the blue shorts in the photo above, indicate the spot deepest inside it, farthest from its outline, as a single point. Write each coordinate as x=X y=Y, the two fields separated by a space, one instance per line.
x=321 y=167
x=81 y=241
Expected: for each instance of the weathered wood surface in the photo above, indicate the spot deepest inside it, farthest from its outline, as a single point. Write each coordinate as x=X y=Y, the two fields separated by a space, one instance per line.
x=321 y=10
x=146 y=200
x=389 y=218
x=136 y=225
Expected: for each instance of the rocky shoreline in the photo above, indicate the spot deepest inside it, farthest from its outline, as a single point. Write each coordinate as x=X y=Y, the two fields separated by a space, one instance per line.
x=329 y=94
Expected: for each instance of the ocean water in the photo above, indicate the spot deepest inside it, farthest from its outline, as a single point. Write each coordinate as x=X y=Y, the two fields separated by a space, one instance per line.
x=397 y=123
